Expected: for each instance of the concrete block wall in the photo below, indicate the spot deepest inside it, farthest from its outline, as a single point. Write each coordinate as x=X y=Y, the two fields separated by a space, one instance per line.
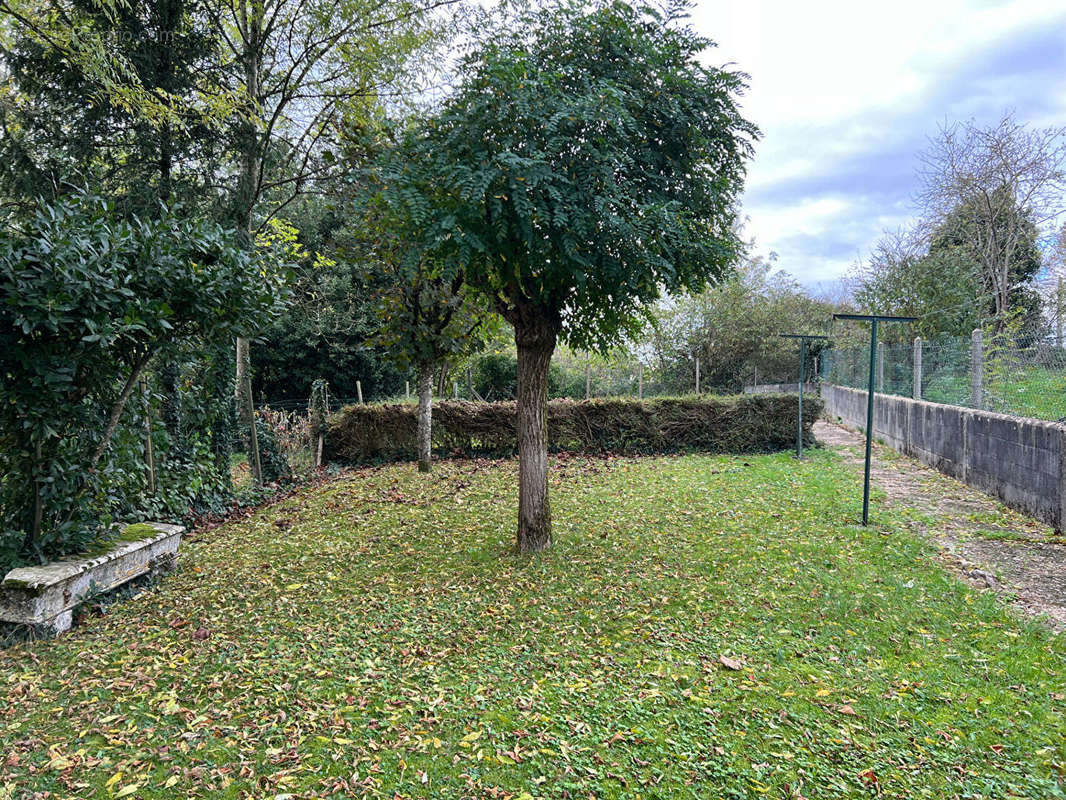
x=1021 y=461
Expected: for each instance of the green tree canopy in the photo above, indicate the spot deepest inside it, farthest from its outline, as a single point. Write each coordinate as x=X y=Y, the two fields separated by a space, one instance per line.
x=62 y=127
x=587 y=162
x=733 y=328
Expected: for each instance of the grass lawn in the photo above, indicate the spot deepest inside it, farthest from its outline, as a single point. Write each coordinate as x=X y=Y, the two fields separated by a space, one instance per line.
x=1030 y=392
x=705 y=627
x=1025 y=391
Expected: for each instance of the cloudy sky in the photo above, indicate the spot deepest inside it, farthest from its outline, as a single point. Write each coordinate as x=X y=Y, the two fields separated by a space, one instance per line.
x=846 y=93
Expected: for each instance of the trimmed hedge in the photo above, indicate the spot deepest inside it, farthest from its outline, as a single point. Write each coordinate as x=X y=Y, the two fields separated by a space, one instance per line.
x=361 y=434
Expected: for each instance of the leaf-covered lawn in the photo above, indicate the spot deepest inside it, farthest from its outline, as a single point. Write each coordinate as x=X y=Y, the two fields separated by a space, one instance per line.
x=705 y=627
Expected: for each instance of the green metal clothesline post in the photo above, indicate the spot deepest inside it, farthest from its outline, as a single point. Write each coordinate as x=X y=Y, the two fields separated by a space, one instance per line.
x=873 y=319
x=803 y=339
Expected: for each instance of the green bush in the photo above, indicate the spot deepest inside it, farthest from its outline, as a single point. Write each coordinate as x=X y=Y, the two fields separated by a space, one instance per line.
x=92 y=303
x=496 y=376
x=751 y=423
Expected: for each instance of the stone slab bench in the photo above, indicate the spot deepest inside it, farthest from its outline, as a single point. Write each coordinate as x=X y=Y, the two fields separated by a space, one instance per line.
x=45 y=597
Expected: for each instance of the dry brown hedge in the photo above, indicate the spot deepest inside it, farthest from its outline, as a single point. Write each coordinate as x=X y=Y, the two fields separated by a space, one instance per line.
x=362 y=434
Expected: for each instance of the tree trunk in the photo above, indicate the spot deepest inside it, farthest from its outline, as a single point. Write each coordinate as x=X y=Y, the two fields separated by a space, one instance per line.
x=34 y=533
x=425 y=417
x=112 y=426
x=117 y=409
x=250 y=22
x=535 y=339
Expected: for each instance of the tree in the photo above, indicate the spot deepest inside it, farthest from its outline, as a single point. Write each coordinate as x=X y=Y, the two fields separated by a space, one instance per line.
x=940 y=285
x=991 y=187
x=429 y=316
x=956 y=238
x=427 y=312
x=299 y=70
x=586 y=163
x=60 y=130
x=938 y=276
x=78 y=40
x=733 y=327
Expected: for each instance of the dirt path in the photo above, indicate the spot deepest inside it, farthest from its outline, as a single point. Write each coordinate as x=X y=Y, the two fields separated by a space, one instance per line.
x=980 y=539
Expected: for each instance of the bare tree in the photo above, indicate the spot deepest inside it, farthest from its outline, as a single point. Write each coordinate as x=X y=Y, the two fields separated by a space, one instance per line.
x=1053 y=283
x=297 y=71
x=1009 y=177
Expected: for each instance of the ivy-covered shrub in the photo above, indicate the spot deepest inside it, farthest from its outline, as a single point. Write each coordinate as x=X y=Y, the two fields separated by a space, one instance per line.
x=93 y=303
x=363 y=434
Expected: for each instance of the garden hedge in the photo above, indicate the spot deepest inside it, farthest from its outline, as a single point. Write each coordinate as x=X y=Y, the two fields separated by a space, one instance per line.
x=361 y=434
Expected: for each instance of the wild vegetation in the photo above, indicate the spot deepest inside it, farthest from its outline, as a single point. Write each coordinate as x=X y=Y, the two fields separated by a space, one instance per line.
x=244 y=242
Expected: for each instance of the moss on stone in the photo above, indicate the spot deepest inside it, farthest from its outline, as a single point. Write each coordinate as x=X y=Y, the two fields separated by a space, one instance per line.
x=127 y=533
x=139 y=530
x=18 y=583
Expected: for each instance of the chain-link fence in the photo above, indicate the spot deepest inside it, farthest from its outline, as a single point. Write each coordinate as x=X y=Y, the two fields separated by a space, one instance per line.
x=1026 y=379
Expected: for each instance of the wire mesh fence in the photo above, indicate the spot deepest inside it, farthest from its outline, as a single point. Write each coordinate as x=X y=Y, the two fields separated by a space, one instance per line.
x=568 y=378
x=1009 y=376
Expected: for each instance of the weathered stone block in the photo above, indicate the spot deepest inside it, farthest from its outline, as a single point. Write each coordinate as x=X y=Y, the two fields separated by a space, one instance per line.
x=46 y=596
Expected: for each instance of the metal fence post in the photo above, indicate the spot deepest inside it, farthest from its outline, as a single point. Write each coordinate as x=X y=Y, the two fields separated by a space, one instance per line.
x=917 y=389
x=977 y=364
x=880 y=367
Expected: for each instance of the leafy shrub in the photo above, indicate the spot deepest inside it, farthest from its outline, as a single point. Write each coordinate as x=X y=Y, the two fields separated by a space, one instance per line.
x=565 y=381
x=90 y=299
x=496 y=376
x=751 y=423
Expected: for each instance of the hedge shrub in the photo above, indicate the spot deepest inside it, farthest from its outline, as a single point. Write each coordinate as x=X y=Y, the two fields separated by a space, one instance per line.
x=361 y=434
x=93 y=302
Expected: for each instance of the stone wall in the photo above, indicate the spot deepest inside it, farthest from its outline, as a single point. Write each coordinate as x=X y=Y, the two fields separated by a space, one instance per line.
x=1022 y=461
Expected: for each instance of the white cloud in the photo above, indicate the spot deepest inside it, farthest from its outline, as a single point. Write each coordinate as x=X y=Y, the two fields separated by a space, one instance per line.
x=845 y=93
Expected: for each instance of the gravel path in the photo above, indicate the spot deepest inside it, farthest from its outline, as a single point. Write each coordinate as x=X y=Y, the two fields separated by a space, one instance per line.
x=980 y=539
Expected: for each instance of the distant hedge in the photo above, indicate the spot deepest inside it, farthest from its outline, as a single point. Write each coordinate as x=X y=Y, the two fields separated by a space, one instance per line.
x=361 y=434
